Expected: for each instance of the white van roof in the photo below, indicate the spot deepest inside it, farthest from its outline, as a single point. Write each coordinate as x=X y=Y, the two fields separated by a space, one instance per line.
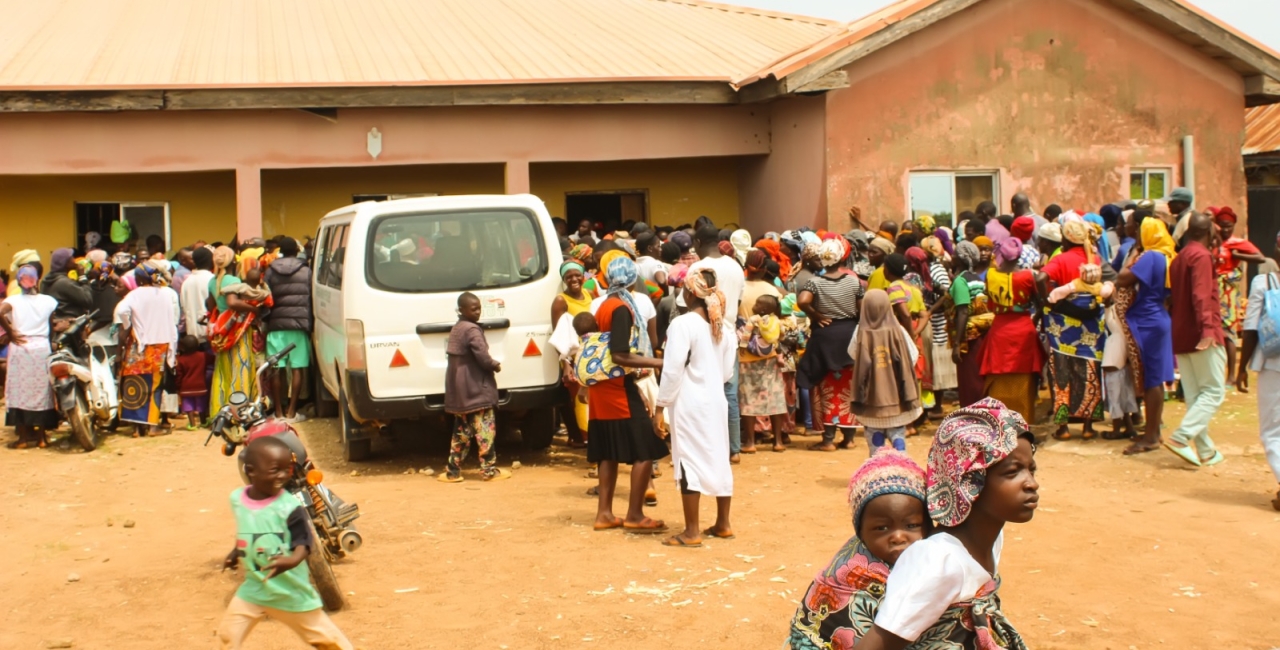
x=369 y=209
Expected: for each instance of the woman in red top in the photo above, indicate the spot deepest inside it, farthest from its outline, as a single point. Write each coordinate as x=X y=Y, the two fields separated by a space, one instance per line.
x=1230 y=253
x=619 y=429
x=1012 y=356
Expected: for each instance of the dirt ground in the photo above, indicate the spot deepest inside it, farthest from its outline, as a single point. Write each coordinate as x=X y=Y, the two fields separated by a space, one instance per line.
x=1124 y=552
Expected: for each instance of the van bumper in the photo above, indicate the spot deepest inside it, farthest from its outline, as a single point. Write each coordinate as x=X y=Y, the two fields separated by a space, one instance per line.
x=364 y=406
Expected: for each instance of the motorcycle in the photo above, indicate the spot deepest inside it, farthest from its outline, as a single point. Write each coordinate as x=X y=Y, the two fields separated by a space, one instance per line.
x=84 y=383
x=240 y=422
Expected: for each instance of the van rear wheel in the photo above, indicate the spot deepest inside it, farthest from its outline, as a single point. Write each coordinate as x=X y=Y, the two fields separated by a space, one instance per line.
x=355 y=446
x=538 y=428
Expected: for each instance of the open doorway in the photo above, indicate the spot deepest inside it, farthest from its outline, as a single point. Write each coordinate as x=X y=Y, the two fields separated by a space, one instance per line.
x=608 y=209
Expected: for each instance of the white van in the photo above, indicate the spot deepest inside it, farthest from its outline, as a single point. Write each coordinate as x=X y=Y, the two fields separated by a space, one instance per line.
x=387 y=276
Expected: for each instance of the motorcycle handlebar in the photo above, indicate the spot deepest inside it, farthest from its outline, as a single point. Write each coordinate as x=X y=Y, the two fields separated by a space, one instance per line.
x=275 y=358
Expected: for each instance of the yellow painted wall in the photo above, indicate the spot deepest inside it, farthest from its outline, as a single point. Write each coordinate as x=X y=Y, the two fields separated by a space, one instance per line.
x=294 y=200
x=39 y=211
x=680 y=189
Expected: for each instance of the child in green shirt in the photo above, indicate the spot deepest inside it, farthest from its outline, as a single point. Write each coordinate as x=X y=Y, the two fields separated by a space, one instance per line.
x=273 y=535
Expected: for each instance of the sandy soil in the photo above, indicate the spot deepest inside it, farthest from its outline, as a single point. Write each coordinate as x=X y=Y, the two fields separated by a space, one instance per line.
x=1124 y=553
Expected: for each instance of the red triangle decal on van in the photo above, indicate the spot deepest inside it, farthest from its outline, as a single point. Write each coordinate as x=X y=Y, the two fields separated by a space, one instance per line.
x=398 y=360
x=532 y=350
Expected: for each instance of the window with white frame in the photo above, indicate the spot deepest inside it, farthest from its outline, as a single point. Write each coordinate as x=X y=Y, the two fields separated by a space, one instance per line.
x=942 y=194
x=1149 y=183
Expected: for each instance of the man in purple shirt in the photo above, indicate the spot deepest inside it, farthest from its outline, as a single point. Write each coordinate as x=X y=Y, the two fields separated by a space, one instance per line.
x=1197 y=342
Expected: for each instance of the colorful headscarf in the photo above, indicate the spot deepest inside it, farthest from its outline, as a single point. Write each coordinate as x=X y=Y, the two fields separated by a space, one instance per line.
x=1009 y=248
x=602 y=279
x=622 y=273
x=696 y=284
x=810 y=253
x=968 y=442
x=775 y=253
x=741 y=241
x=1155 y=237
x=1099 y=226
x=808 y=236
x=830 y=252
x=571 y=265
x=883 y=245
x=888 y=472
x=919 y=262
x=933 y=246
x=1224 y=213
x=580 y=252
x=983 y=241
x=1077 y=231
x=1022 y=228
x=996 y=231
x=726 y=249
x=28 y=279
x=925 y=225
x=944 y=235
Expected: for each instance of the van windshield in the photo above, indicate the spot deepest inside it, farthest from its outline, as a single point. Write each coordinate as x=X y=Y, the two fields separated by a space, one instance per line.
x=454 y=251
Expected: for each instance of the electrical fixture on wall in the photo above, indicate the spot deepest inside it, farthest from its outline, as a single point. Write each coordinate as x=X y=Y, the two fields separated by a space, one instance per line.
x=374 y=142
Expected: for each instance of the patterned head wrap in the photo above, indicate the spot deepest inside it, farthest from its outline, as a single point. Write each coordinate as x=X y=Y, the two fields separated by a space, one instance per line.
x=933 y=246
x=726 y=249
x=1076 y=231
x=1009 y=248
x=888 y=472
x=775 y=253
x=968 y=442
x=925 y=224
x=883 y=245
x=621 y=273
x=602 y=278
x=1155 y=237
x=741 y=241
x=810 y=252
x=968 y=254
x=919 y=263
x=675 y=277
x=580 y=252
x=696 y=284
x=571 y=265
x=28 y=279
x=830 y=252
x=755 y=259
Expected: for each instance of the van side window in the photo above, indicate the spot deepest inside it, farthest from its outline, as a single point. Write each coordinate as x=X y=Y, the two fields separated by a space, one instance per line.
x=329 y=256
x=320 y=262
x=455 y=251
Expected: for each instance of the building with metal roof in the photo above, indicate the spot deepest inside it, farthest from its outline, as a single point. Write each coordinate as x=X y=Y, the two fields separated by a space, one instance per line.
x=208 y=118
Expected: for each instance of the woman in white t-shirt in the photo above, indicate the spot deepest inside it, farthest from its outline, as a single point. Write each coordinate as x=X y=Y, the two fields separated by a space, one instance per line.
x=28 y=397
x=943 y=590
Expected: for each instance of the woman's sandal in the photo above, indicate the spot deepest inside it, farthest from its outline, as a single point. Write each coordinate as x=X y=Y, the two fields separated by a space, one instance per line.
x=1139 y=447
x=1064 y=435
x=822 y=446
x=19 y=444
x=646 y=527
x=678 y=541
x=616 y=523
x=711 y=532
x=1088 y=434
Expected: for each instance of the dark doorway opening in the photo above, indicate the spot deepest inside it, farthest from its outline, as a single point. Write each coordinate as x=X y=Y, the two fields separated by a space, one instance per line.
x=608 y=210
x=1264 y=220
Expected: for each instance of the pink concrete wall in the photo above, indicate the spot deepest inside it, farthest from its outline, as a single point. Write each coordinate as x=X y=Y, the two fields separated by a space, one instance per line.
x=786 y=189
x=1062 y=96
x=48 y=143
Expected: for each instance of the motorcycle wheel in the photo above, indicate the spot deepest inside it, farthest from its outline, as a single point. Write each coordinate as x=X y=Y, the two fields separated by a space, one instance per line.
x=326 y=583
x=82 y=424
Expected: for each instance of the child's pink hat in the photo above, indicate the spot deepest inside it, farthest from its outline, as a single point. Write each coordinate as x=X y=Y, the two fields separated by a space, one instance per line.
x=888 y=472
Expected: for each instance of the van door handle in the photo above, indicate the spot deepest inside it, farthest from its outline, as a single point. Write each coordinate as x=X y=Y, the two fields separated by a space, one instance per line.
x=444 y=328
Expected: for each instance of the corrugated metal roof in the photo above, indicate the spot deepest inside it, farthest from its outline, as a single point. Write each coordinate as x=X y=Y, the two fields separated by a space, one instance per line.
x=1262 y=129
x=857 y=32
x=119 y=44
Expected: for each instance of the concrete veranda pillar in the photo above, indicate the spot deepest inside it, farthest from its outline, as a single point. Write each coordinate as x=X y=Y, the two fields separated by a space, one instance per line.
x=248 y=202
x=517 y=177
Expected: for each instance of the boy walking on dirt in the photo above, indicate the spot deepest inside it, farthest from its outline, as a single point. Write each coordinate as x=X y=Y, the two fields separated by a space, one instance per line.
x=273 y=535
x=471 y=394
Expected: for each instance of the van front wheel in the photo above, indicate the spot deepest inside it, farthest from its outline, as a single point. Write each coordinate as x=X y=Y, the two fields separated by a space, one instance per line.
x=538 y=428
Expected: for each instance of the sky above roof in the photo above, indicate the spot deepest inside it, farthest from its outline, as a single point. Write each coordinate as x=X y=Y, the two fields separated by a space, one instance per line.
x=1259 y=19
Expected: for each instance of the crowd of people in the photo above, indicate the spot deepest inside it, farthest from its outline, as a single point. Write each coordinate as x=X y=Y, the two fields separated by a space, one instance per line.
x=1108 y=313
x=186 y=329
